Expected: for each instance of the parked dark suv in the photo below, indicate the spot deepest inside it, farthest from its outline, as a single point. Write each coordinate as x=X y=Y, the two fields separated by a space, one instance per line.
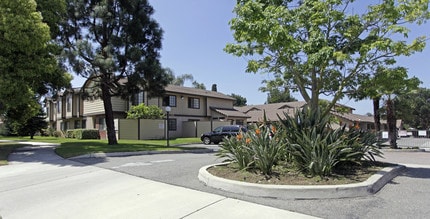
x=218 y=134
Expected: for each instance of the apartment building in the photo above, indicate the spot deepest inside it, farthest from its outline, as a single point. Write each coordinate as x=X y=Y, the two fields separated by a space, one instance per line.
x=69 y=110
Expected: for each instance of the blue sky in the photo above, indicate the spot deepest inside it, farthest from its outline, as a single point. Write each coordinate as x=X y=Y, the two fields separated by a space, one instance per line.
x=196 y=31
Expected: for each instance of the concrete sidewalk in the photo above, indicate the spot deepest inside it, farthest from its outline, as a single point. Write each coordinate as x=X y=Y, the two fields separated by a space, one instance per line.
x=40 y=184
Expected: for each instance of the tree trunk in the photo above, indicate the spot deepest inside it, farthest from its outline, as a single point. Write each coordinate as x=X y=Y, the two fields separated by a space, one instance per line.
x=376 y=114
x=110 y=125
x=391 y=120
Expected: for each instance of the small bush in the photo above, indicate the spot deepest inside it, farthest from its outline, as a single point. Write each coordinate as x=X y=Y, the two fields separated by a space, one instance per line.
x=235 y=150
x=58 y=134
x=317 y=150
x=267 y=145
x=70 y=133
x=88 y=134
x=260 y=148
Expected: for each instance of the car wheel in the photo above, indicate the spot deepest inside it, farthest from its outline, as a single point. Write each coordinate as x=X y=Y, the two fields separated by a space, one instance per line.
x=206 y=140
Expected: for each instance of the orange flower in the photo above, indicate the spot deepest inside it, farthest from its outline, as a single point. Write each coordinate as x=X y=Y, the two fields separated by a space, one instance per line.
x=247 y=141
x=257 y=132
x=273 y=129
x=239 y=137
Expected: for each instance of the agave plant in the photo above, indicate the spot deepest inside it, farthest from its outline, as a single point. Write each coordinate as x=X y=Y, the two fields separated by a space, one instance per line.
x=267 y=146
x=316 y=149
x=234 y=149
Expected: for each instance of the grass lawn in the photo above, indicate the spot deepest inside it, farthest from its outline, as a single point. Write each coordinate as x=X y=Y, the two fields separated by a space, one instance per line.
x=73 y=147
x=5 y=149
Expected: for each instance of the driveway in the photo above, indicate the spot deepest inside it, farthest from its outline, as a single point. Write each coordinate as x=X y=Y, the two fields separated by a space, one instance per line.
x=405 y=196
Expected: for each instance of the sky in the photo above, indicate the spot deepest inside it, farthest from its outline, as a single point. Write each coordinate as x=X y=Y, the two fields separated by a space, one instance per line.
x=196 y=32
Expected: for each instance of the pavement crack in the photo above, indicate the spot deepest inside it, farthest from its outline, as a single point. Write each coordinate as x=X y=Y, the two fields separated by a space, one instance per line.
x=208 y=205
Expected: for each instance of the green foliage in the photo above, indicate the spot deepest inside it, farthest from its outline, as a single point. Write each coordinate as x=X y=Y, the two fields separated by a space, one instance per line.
x=25 y=119
x=142 y=111
x=240 y=101
x=267 y=145
x=317 y=150
x=320 y=47
x=414 y=108
x=58 y=134
x=236 y=150
x=70 y=133
x=109 y=41
x=28 y=64
x=87 y=134
x=260 y=148
x=33 y=125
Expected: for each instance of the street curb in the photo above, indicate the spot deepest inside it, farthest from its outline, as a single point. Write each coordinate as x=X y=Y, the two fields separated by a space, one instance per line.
x=288 y=192
x=126 y=154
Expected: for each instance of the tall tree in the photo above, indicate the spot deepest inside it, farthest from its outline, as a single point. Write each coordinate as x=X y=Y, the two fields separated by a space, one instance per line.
x=277 y=91
x=240 y=101
x=323 y=47
x=33 y=125
x=414 y=108
x=107 y=41
x=389 y=83
x=28 y=65
x=198 y=85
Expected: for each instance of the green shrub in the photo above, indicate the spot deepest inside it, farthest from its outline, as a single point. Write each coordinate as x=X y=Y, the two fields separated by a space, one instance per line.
x=316 y=149
x=88 y=134
x=267 y=145
x=260 y=148
x=58 y=134
x=234 y=149
x=70 y=133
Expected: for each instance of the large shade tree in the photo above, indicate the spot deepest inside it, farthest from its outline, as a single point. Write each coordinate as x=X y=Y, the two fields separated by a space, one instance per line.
x=387 y=83
x=323 y=47
x=277 y=92
x=414 y=108
x=108 y=41
x=396 y=82
x=28 y=64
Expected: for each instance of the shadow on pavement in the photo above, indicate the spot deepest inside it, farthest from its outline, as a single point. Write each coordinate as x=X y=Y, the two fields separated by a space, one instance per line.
x=417 y=173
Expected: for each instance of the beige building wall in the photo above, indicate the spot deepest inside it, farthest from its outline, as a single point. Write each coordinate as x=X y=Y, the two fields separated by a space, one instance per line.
x=128 y=129
x=93 y=106
x=97 y=107
x=152 y=129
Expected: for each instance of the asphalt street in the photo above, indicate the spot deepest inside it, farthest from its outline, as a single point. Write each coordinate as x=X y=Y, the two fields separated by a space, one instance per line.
x=406 y=196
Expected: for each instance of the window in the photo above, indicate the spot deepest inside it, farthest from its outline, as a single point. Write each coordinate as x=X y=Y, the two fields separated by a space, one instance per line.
x=169 y=101
x=58 y=106
x=77 y=124
x=172 y=124
x=137 y=99
x=84 y=124
x=68 y=103
x=193 y=103
x=102 y=123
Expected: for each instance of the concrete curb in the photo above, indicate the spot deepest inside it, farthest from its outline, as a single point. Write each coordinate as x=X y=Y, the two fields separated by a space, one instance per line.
x=126 y=154
x=286 y=192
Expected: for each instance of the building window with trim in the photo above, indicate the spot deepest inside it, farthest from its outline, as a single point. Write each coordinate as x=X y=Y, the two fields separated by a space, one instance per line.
x=193 y=103
x=169 y=101
x=58 y=106
x=69 y=104
x=172 y=124
x=137 y=99
x=77 y=124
